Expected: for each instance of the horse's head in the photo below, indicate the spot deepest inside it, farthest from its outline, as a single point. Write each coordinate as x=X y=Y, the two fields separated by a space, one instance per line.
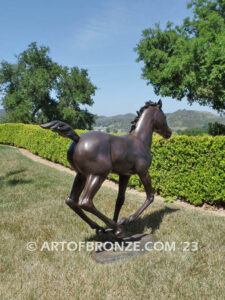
x=159 y=123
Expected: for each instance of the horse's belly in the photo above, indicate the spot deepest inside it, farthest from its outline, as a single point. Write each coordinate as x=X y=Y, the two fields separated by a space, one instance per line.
x=123 y=168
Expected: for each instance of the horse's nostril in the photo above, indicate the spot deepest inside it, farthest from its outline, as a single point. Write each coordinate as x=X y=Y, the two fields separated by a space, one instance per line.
x=168 y=134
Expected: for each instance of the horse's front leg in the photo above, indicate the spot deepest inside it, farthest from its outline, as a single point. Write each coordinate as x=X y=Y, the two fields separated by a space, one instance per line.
x=146 y=181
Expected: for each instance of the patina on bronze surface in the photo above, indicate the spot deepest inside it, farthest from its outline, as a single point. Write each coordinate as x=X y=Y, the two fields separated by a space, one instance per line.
x=135 y=245
x=94 y=155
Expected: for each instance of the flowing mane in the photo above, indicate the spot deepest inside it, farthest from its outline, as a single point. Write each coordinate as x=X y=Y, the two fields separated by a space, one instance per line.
x=140 y=112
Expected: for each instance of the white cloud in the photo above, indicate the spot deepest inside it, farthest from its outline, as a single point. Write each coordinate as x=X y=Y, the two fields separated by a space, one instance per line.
x=104 y=25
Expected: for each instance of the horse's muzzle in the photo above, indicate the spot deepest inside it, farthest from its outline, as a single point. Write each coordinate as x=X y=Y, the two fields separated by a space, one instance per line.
x=168 y=134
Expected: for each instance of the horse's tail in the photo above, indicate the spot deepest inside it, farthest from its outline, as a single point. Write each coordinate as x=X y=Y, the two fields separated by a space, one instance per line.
x=63 y=129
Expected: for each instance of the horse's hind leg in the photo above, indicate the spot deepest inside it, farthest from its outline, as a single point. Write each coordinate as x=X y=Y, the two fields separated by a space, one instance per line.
x=146 y=180
x=92 y=186
x=123 y=182
x=72 y=201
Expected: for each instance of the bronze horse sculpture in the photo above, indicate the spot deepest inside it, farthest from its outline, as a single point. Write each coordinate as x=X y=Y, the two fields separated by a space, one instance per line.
x=94 y=155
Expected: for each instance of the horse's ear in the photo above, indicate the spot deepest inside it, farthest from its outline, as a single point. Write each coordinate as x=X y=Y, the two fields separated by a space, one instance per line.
x=159 y=103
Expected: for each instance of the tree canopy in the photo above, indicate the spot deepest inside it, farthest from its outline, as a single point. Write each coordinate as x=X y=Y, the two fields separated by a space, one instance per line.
x=188 y=60
x=36 y=89
x=216 y=129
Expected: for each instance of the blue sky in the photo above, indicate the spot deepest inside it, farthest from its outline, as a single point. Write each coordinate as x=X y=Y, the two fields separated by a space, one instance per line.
x=98 y=35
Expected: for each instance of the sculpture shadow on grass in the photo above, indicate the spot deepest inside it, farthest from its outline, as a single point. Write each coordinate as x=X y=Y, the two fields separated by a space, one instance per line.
x=151 y=221
x=15 y=172
x=14 y=182
x=10 y=181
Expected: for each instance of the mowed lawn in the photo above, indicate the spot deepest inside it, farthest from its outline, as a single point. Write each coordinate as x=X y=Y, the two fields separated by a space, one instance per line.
x=33 y=209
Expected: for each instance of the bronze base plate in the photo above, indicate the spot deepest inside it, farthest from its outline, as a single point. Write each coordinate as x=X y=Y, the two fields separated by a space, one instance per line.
x=124 y=249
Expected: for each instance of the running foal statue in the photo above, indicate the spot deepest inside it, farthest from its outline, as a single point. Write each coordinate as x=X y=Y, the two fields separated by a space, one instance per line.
x=94 y=155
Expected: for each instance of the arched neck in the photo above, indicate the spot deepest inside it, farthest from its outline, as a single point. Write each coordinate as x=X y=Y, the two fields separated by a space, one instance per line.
x=144 y=127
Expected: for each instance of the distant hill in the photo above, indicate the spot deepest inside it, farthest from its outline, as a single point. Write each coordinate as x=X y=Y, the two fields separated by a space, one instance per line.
x=190 y=119
x=2 y=114
x=179 y=120
x=120 y=123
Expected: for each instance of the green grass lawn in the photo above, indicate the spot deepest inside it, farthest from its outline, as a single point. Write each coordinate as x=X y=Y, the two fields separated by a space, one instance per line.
x=32 y=206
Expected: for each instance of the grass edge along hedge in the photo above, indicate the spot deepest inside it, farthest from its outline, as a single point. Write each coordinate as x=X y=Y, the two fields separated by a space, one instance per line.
x=187 y=168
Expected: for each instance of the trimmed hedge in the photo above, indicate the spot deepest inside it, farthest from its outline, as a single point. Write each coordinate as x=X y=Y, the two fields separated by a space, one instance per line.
x=44 y=143
x=188 y=168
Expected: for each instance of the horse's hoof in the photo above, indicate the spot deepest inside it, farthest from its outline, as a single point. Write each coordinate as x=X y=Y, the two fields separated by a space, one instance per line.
x=151 y=198
x=118 y=233
x=100 y=231
x=123 y=221
x=108 y=229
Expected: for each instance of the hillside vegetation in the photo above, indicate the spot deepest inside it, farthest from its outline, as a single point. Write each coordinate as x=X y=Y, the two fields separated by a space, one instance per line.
x=179 y=120
x=190 y=119
x=2 y=114
x=120 y=123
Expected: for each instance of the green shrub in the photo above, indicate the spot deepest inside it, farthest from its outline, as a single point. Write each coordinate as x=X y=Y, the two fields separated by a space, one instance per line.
x=45 y=143
x=188 y=168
